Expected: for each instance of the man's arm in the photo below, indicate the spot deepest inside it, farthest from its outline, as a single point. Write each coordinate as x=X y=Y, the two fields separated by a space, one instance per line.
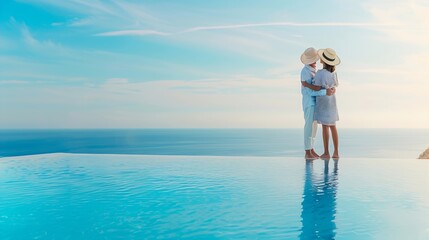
x=318 y=90
x=311 y=86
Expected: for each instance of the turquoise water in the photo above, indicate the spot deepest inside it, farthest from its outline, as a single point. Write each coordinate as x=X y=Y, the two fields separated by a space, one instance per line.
x=211 y=184
x=369 y=143
x=84 y=196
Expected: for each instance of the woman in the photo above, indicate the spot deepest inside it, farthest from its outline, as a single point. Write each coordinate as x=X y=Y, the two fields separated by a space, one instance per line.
x=326 y=112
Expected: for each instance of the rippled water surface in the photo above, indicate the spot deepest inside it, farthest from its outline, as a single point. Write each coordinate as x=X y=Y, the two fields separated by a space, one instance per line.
x=71 y=196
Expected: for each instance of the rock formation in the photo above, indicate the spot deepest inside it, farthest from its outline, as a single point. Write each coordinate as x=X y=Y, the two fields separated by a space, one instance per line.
x=425 y=154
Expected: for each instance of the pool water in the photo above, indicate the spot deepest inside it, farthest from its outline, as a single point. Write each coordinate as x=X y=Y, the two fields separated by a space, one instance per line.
x=84 y=196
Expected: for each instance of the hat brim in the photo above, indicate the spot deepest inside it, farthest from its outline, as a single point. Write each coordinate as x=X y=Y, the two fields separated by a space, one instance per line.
x=332 y=63
x=307 y=61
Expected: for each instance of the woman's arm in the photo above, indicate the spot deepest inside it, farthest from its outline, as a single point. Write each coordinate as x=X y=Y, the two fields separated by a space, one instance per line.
x=311 y=86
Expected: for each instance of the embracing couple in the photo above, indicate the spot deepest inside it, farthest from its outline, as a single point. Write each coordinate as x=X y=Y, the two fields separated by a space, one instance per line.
x=318 y=100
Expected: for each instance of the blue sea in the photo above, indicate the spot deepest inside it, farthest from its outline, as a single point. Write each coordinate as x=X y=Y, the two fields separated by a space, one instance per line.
x=211 y=184
x=370 y=143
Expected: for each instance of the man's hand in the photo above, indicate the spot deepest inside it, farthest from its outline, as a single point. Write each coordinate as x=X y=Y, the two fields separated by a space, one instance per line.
x=330 y=91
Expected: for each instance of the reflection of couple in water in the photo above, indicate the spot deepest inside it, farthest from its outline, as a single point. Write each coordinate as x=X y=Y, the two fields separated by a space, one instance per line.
x=319 y=202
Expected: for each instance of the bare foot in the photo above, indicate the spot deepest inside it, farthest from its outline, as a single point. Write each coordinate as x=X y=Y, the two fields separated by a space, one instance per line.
x=336 y=156
x=314 y=153
x=325 y=156
x=310 y=156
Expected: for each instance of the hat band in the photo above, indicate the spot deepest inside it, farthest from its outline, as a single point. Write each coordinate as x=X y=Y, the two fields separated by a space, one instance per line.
x=330 y=59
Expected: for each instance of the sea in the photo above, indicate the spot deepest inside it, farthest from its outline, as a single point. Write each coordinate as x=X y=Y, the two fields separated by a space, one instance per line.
x=368 y=143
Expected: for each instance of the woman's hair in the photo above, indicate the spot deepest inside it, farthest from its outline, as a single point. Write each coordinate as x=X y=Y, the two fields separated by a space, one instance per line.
x=328 y=67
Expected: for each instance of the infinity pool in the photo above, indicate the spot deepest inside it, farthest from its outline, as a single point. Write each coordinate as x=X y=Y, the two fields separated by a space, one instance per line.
x=76 y=196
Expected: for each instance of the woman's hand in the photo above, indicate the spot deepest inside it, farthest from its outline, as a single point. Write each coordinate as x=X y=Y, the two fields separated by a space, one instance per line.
x=330 y=91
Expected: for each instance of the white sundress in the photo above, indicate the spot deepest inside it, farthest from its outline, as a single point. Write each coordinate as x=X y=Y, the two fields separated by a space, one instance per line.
x=325 y=111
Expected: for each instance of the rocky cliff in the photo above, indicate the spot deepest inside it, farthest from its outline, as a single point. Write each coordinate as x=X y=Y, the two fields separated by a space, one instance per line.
x=425 y=154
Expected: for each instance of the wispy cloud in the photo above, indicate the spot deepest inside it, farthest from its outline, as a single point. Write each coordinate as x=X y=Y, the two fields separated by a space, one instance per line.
x=132 y=33
x=103 y=13
x=250 y=25
x=56 y=24
x=79 y=6
x=45 y=46
x=225 y=85
x=288 y=24
x=13 y=82
x=412 y=14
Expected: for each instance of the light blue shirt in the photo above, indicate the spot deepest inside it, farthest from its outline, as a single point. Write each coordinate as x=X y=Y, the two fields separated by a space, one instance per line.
x=308 y=95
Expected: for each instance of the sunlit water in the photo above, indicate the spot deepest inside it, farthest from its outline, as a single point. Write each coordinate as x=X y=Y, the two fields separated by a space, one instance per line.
x=71 y=196
x=369 y=143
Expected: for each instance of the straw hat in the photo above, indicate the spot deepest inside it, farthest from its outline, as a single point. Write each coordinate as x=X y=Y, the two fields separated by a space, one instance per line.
x=329 y=56
x=309 y=56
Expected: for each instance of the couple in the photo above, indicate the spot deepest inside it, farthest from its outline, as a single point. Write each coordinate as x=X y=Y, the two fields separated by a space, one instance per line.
x=318 y=100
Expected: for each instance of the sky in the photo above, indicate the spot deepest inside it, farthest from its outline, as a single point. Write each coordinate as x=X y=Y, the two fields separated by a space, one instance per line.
x=208 y=64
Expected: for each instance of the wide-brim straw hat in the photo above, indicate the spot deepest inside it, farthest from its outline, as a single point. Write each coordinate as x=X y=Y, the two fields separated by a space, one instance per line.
x=329 y=56
x=309 y=56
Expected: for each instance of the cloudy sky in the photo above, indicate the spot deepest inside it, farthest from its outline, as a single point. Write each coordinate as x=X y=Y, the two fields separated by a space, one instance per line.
x=222 y=64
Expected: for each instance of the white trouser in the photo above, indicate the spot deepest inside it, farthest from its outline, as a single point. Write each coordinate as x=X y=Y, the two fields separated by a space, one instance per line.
x=310 y=128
